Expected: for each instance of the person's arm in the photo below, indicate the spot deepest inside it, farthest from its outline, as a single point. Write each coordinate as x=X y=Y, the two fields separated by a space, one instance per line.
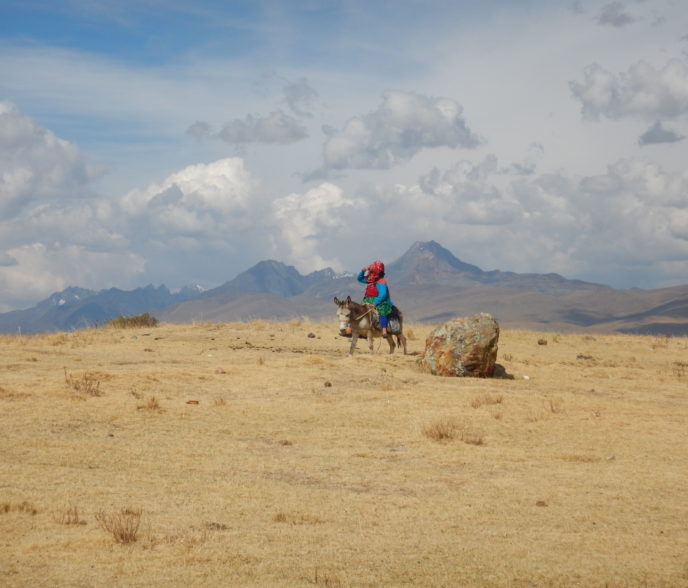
x=381 y=293
x=361 y=277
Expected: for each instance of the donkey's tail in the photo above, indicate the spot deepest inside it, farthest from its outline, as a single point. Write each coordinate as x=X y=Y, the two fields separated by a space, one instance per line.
x=397 y=313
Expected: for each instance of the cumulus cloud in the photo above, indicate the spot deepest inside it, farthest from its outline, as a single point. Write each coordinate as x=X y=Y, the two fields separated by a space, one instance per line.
x=529 y=163
x=36 y=165
x=308 y=223
x=658 y=134
x=615 y=14
x=642 y=91
x=199 y=202
x=402 y=125
x=627 y=225
x=300 y=96
x=6 y=259
x=276 y=127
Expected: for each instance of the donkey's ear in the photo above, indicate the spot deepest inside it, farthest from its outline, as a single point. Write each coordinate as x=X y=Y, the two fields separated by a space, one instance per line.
x=348 y=299
x=336 y=301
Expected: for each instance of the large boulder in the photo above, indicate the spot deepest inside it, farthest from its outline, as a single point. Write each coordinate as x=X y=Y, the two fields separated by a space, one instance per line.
x=464 y=347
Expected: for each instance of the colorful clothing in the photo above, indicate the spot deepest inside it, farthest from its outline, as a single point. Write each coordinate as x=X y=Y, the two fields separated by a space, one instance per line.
x=377 y=294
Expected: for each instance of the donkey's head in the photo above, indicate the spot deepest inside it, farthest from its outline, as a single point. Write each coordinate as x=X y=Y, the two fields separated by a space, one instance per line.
x=343 y=313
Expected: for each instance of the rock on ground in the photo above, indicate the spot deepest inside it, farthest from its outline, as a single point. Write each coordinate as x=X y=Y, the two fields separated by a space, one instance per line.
x=463 y=347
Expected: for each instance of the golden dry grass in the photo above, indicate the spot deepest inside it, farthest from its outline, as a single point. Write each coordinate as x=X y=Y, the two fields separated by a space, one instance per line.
x=258 y=455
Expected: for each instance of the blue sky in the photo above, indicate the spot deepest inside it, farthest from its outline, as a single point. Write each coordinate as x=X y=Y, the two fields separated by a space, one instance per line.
x=181 y=142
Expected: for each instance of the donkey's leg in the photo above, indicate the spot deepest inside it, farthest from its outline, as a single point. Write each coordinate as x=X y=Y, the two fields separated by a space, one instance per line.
x=354 y=340
x=390 y=340
x=370 y=340
x=402 y=340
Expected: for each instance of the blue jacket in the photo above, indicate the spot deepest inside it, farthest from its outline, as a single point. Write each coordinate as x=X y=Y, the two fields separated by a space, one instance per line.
x=382 y=290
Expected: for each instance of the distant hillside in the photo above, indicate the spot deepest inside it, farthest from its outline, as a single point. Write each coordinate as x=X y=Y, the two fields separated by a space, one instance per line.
x=430 y=263
x=427 y=282
x=77 y=308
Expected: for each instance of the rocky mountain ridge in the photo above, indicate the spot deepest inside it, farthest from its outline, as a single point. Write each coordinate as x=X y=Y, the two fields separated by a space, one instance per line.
x=428 y=282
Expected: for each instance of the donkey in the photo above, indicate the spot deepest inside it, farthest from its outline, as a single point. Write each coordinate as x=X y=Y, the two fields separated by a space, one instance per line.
x=360 y=317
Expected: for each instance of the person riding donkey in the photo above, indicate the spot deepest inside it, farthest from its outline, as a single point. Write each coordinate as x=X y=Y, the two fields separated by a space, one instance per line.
x=377 y=291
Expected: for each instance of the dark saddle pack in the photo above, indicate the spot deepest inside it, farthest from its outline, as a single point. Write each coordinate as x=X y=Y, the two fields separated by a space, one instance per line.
x=393 y=321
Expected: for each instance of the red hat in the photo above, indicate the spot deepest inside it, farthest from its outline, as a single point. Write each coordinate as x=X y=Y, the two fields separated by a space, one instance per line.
x=375 y=270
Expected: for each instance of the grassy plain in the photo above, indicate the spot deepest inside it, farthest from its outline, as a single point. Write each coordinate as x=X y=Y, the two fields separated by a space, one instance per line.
x=256 y=454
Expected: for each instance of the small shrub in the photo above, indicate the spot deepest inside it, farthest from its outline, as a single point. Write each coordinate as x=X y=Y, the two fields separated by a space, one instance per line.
x=151 y=404
x=25 y=507
x=128 y=322
x=87 y=384
x=123 y=525
x=326 y=579
x=68 y=516
x=485 y=399
x=680 y=369
x=447 y=429
x=441 y=430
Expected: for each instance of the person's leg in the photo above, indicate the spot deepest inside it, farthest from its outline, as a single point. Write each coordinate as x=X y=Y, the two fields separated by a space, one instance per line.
x=383 y=324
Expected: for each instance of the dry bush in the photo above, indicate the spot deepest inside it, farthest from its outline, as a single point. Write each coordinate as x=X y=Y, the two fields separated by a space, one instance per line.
x=410 y=335
x=296 y=519
x=446 y=429
x=321 y=578
x=487 y=399
x=441 y=430
x=681 y=369
x=151 y=404
x=129 y=322
x=660 y=343
x=87 y=385
x=219 y=401
x=25 y=507
x=260 y=360
x=68 y=515
x=123 y=525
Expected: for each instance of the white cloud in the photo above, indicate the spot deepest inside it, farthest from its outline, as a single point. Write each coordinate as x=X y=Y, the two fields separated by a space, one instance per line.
x=643 y=91
x=404 y=124
x=276 y=127
x=41 y=269
x=307 y=224
x=36 y=165
x=623 y=226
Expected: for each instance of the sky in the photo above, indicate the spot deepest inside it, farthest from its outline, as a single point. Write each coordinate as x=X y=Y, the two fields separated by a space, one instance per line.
x=180 y=142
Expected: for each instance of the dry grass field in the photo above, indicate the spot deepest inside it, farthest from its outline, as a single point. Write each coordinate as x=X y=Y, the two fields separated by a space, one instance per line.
x=257 y=454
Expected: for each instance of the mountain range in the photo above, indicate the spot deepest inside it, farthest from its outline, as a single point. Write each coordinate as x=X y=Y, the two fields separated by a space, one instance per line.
x=427 y=282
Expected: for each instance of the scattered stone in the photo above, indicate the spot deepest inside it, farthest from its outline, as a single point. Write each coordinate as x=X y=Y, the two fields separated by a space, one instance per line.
x=192 y=401
x=540 y=503
x=220 y=371
x=462 y=347
x=328 y=384
x=311 y=335
x=582 y=356
x=542 y=341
